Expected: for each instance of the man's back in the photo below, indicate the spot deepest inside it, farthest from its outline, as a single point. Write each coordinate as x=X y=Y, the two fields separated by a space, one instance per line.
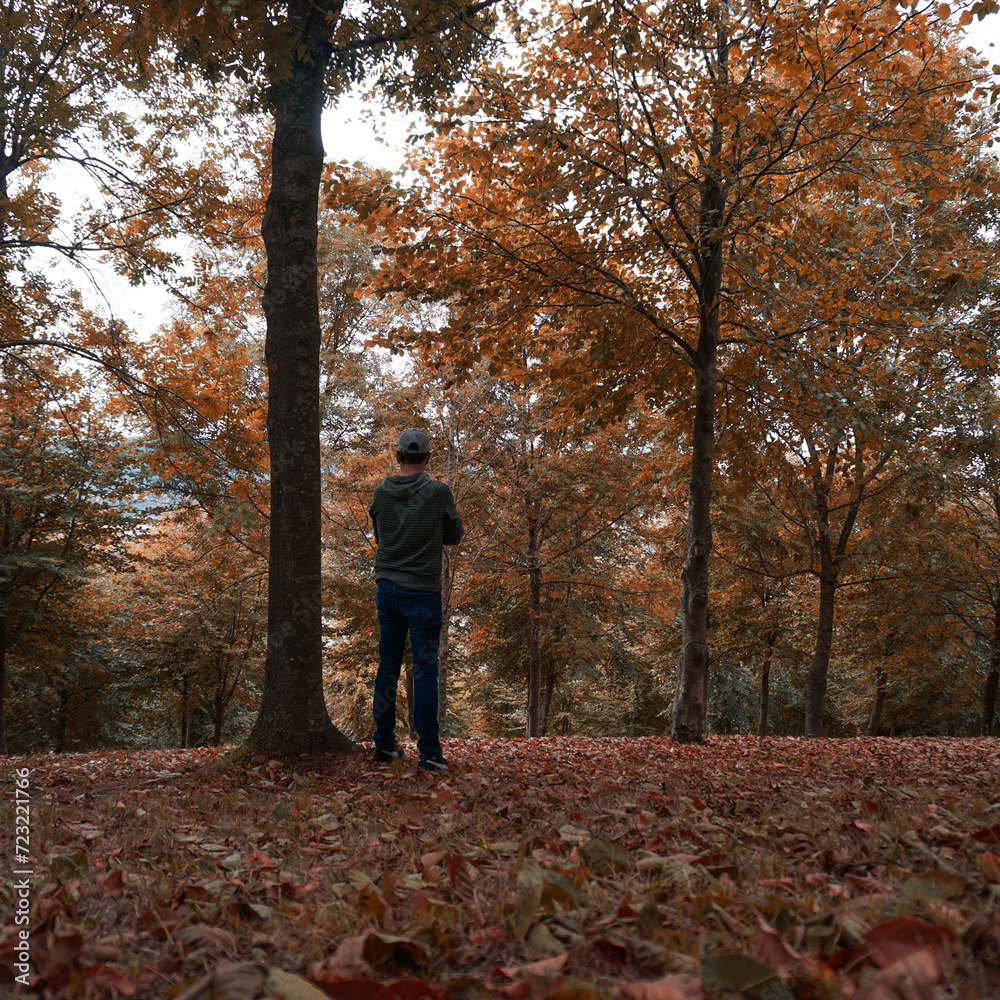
x=413 y=516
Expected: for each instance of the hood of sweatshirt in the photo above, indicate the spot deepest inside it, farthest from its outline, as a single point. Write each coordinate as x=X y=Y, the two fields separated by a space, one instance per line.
x=404 y=487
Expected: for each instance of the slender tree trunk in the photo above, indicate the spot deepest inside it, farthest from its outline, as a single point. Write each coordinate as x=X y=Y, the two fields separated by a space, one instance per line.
x=878 y=703
x=444 y=646
x=411 y=712
x=185 y=712
x=550 y=683
x=293 y=718
x=765 y=693
x=220 y=714
x=63 y=720
x=534 y=630
x=990 y=687
x=3 y=688
x=815 y=690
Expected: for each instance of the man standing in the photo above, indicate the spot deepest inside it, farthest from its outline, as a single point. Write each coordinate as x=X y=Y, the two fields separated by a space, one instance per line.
x=413 y=516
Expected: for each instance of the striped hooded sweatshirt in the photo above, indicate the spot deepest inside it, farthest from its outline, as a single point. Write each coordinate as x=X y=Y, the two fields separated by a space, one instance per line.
x=413 y=516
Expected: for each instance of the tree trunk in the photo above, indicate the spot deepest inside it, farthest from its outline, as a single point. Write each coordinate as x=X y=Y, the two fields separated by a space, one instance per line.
x=765 y=693
x=534 y=630
x=3 y=688
x=990 y=687
x=444 y=645
x=411 y=712
x=185 y=712
x=690 y=703
x=550 y=683
x=815 y=691
x=293 y=718
x=63 y=720
x=220 y=714
x=878 y=703
x=691 y=700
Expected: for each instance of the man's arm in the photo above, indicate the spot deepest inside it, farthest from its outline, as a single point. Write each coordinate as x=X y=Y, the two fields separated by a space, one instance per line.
x=371 y=514
x=453 y=529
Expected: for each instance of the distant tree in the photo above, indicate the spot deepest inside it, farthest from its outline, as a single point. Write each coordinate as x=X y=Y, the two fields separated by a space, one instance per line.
x=71 y=487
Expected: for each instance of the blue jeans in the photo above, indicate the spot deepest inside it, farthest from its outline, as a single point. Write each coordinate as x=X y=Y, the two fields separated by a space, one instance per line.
x=402 y=611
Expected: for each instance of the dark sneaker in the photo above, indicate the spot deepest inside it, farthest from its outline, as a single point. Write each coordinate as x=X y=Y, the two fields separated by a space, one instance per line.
x=388 y=756
x=433 y=762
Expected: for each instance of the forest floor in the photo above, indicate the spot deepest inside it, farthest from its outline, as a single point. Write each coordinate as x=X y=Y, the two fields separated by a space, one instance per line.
x=553 y=869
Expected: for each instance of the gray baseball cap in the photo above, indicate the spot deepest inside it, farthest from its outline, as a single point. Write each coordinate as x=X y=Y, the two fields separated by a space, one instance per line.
x=414 y=444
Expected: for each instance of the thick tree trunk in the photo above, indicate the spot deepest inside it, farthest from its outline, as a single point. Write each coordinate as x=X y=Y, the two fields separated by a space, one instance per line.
x=815 y=690
x=293 y=718
x=878 y=703
x=765 y=693
x=534 y=630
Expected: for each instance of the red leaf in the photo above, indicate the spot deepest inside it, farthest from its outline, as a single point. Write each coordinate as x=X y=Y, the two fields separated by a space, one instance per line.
x=56 y=954
x=895 y=939
x=988 y=834
x=768 y=947
x=407 y=989
x=344 y=985
x=107 y=978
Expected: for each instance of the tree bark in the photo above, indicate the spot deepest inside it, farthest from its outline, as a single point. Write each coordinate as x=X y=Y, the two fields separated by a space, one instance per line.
x=550 y=683
x=878 y=703
x=185 y=712
x=990 y=687
x=220 y=714
x=293 y=718
x=765 y=693
x=411 y=712
x=444 y=646
x=815 y=690
x=3 y=688
x=63 y=720
x=534 y=630
x=691 y=701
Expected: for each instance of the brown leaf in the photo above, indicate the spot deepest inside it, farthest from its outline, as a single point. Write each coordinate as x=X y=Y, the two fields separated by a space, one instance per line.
x=388 y=954
x=370 y=904
x=202 y=939
x=989 y=865
x=462 y=876
x=983 y=937
x=870 y=886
